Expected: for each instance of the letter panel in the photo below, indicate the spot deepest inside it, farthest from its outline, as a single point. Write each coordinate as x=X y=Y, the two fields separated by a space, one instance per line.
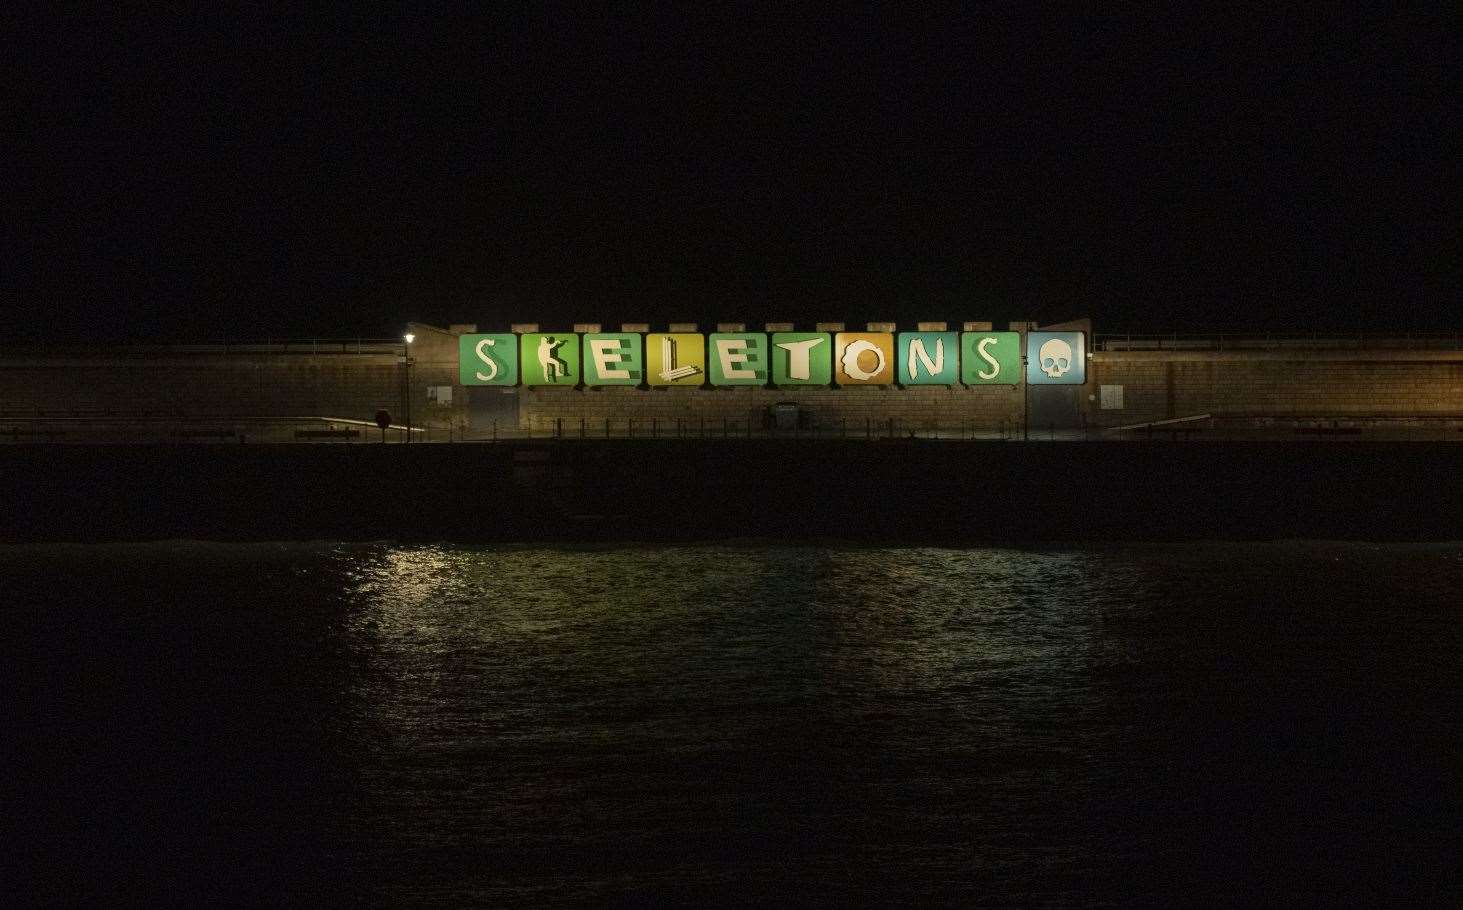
x=928 y=358
x=549 y=358
x=675 y=358
x=738 y=358
x=802 y=358
x=990 y=358
x=1056 y=358
x=487 y=359
x=863 y=358
x=613 y=358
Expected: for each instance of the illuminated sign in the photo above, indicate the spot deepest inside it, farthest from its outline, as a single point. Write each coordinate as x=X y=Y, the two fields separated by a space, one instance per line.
x=738 y=358
x=929 y=358
x=675 y=358
x=613 y=359
x=802 y=358
x=487 y=360
x=863 y=358
x=1056 y=358
x=990 y=358
x=549 y=358
x=845 y=359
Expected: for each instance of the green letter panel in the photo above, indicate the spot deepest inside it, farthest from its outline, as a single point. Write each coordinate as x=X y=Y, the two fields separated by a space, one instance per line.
x=613 y=359
x=487 y=359
x=990 y=358
x=738 y=358
x=802 y=358
x=929 y=358
x=550 y=358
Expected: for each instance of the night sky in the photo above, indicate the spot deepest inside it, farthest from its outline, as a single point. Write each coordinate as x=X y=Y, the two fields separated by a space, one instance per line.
x=247 y=173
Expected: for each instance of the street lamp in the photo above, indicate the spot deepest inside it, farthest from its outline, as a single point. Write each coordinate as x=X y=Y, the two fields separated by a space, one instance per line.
x=406 y=359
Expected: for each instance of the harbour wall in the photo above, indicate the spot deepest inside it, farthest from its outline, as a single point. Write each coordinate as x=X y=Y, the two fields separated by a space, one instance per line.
x=1335 y=379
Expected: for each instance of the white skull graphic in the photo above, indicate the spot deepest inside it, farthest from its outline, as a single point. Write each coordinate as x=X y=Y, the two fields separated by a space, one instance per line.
x=1056 y=358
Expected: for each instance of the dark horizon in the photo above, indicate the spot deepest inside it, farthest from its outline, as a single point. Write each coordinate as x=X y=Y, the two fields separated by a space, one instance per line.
x=332 y=174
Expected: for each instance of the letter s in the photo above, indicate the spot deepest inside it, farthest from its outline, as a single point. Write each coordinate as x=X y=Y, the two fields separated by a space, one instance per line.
x=483 y=356
x=980 y=349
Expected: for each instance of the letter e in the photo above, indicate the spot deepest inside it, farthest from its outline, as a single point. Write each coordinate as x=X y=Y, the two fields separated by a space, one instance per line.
x=732 y=352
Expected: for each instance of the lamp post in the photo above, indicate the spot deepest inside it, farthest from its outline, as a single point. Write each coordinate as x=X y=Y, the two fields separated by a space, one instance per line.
x=408 y=338
x=1025 y=391
x=1025 y=404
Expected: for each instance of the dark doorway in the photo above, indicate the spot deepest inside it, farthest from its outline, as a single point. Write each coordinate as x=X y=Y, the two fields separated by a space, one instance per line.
x=1055 y=407
x=488 y=407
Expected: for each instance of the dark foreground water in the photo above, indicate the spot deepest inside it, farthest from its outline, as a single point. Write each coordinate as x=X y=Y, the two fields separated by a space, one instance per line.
x=442 y=724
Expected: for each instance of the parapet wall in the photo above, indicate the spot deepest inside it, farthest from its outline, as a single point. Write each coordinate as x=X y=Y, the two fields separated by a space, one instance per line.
x=1141 y=387
x=1158 y=385
x=202 y=385
x=214 y=382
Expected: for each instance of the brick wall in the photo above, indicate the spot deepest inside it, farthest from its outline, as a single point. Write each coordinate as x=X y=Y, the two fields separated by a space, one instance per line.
x=1159 y=385
x=913 y=408
x=210 y=386
x=351 y=387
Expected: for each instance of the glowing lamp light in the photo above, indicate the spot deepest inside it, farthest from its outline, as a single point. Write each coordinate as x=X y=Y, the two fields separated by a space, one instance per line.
x=408 y=338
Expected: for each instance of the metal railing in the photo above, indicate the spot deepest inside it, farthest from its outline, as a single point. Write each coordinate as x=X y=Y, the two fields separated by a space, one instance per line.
x=109 y=427
x=746 y=428
x=1216 y=426
x=315 y=346
x=98 y=428
x=1234 y=425
x=1102 y=341
x=1430 y=341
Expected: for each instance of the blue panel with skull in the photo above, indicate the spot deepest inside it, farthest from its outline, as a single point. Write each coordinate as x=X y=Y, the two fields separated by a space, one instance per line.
x=1056 y=358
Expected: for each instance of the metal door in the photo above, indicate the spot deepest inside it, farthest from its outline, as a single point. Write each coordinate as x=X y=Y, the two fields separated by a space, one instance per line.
x=490 y=405
x=1054 y=407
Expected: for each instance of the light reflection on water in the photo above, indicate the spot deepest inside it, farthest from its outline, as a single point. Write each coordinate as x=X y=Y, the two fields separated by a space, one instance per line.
x=837 y=723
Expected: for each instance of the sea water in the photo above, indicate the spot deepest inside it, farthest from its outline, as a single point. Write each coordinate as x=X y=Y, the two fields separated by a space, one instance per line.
x=409 y=724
